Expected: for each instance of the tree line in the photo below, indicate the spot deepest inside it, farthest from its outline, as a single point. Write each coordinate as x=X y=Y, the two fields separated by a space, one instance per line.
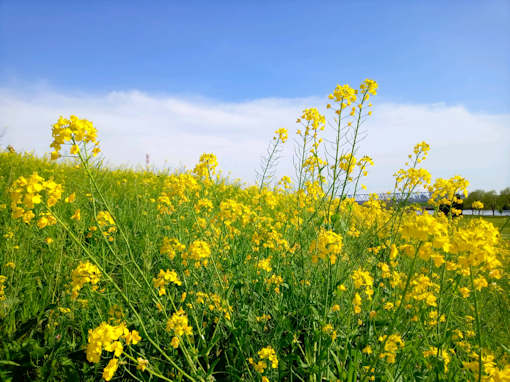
x=492 y=200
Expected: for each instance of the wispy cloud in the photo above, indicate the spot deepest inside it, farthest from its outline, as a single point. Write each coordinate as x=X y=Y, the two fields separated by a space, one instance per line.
x=176 y=130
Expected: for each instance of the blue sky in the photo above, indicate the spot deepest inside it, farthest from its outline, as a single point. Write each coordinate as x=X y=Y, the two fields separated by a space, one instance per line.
x=176 y=79
x=456 y=52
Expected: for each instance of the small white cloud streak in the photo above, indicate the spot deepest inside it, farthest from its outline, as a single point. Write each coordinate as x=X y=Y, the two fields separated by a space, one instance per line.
x=176 y=130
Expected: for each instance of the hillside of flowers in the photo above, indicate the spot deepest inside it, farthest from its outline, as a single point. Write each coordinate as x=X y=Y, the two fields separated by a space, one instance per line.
x=120 y=274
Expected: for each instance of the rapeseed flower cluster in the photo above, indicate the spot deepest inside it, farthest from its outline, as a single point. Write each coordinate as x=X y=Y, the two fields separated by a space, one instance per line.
x=165 y=206
x=107 y=337
x=491 y=373
x=27 y=193
x=328 y=245
x=363 y=163
x=46 y=219
x=206 y=166
x=282 y=135
x=266 y=353
x=448 y=191
x=408 y=180
x=347 y=163
x=343 y=94
x=74 y=131
x=357 y=302
x=392 y=344
x=275 y=281
x=265 y=264
x=313 y=120
x=164 y=278
x=3 y=279
x=330 y=331
x=107 y=224
x=84 y=273
x=477 y=205
x=214 y=303
x=362 y=279
x=270 y=354
x=104 y=219
x=178 y=324
x=198 y=252
x=370 y=86
x=232 y=211
x=286 y=182
x=171 y=247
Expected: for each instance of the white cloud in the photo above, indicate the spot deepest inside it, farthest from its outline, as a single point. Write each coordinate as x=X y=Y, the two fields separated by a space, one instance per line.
x=176 y=130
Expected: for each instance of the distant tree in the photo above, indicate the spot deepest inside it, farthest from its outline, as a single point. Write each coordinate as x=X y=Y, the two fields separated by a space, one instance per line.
x=504 y=196
x=491 y=201
x=473 y=197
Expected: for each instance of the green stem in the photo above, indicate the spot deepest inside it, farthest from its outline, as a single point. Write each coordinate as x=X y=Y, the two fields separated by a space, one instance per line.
x=337 y=152
x=149 y=369
x=478 y=329
x=268 y=163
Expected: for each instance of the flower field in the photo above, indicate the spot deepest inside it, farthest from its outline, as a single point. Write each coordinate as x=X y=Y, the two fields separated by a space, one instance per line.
x=188 y=276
